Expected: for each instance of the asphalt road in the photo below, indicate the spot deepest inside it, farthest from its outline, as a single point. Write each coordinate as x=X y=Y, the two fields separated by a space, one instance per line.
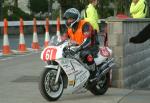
x=19 y=77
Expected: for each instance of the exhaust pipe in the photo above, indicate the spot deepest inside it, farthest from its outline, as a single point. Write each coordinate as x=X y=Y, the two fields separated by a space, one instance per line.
x=105 y=69
x=105 y=65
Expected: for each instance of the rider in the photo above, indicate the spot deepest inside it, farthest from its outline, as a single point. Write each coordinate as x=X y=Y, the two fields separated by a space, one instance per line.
x=81 y=32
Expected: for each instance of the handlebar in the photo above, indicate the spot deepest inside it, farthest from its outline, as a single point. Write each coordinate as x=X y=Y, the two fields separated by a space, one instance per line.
x=69 y=52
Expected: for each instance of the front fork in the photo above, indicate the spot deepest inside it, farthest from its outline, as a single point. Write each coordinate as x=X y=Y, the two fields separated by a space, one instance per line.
x=58 y=73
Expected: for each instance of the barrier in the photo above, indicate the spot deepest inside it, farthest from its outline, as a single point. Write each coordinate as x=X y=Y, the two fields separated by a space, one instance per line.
x=6 y=48
x=47 y=37
x=35 y=45
x=22 y=46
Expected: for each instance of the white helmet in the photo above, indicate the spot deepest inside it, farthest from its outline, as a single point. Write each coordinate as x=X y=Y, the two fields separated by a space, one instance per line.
x=72 y=13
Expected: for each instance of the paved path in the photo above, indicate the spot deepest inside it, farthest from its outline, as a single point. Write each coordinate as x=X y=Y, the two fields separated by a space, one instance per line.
x=19 y=77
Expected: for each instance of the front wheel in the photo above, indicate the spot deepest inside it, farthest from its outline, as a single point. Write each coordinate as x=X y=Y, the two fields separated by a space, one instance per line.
x=50 y=90
x=101 y=86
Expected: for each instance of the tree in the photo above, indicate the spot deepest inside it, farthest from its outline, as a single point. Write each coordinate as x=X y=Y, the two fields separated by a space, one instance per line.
x=121 y=6
x=37 y=6
x=1 y=9
x=16 y=3
x=81 y=4
x=105 y=8
x=65 y=4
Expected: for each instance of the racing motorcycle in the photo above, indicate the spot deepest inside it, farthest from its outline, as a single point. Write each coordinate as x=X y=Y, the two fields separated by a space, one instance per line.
x=65 y=70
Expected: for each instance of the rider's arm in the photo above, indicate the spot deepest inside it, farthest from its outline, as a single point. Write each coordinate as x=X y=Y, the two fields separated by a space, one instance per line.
x=87 y=30
x=65 y=36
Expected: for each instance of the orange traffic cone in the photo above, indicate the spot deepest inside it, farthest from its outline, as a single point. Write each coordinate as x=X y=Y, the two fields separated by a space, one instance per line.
x=6 y=48
x=47 y=37
x=35 y=44
x=58 y=30
x=22 y=46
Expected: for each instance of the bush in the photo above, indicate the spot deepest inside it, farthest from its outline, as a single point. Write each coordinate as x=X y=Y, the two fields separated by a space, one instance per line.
x=17 y=13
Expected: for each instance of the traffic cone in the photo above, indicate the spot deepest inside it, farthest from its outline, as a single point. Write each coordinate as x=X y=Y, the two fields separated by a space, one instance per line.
x=47 y=37
x=58 y=30
x=35 y=44
x=22 y=46
x=6 y=48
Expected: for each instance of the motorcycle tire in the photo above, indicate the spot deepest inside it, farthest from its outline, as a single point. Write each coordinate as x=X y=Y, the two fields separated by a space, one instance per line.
x=48 y=89
x=100 y=90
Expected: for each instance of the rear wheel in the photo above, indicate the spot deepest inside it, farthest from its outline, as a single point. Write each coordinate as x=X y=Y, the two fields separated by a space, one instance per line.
x=101 y=86
x=49 y=90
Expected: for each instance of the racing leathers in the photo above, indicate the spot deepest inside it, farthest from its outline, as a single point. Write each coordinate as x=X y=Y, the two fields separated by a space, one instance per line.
x=83 y=34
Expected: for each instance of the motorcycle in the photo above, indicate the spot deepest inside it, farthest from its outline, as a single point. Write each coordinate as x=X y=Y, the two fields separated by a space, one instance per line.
x=65 y=70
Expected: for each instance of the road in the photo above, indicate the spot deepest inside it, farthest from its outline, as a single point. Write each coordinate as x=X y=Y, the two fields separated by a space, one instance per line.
x=19 y=77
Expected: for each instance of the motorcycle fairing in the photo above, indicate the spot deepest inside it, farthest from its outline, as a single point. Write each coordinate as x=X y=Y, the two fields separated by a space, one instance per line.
x=103 y=54
x=77 y=75
x=51 y=53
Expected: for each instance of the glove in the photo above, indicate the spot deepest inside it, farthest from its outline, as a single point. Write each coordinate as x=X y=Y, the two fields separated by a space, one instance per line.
x=73 y=43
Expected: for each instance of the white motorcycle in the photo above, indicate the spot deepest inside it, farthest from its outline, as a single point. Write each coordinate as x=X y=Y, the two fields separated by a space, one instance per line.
x=65 y=70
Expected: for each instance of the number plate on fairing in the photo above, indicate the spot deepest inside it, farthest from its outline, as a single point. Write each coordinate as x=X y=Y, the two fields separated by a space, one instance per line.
x=51 y=53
